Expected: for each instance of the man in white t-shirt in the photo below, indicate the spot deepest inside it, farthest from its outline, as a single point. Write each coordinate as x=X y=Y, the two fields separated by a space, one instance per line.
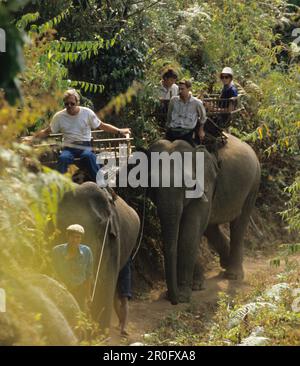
x=76 y=123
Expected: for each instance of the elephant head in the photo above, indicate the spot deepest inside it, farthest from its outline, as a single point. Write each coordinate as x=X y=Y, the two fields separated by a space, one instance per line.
x=90 y=207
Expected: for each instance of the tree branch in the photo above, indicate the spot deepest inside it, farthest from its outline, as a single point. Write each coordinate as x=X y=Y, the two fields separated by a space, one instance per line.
x=143 y=9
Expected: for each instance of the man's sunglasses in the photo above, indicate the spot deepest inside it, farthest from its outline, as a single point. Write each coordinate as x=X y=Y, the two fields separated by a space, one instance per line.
x=70 y=104
x=225 y=77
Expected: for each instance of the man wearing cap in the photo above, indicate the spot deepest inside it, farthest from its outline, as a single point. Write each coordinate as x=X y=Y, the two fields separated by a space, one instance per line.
x=229 y=90
x=76 y=123
x=186 y=116
x=73 y=264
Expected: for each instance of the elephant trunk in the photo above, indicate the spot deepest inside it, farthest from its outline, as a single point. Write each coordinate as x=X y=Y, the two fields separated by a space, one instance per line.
x=170 y=215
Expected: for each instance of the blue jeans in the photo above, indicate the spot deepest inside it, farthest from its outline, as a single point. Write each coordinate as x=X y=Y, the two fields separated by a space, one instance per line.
x=87 y=158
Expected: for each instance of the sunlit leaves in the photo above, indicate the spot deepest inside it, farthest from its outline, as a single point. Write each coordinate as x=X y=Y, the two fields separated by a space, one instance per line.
x=280 y=107
x=292 y=213
x=28 y=202
x=27 y=19
x=86 y=86
x=52 y=22
x=64 y=51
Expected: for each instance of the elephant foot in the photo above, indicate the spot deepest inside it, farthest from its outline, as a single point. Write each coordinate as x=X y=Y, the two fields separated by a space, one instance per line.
x=173 y=300
x=185 y=295
x=234 y=275
x=224 y=261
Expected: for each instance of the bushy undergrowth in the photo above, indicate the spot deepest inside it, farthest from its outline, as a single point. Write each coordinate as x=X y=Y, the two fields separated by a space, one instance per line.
x=268 y=312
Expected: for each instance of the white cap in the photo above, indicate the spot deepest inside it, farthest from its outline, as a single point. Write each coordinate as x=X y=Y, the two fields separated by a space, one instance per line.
x=227 y=70
x=76 y=229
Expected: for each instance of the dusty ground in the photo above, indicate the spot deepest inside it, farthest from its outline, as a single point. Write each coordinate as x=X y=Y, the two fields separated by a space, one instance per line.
x=146 y=313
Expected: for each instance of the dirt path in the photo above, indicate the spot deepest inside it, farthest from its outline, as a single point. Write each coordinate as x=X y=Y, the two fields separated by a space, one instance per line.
x=146 y=314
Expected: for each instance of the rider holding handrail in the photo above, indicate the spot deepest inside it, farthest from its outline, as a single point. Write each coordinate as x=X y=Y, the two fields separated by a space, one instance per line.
x=76 y=123
x=186 y=116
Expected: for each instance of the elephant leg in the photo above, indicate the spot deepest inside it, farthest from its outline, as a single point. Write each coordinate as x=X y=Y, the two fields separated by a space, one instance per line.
x=189 y=238
x=220 y=243
x=234 y=270
x=198 y=277
x=238 y=228
x=170 y=217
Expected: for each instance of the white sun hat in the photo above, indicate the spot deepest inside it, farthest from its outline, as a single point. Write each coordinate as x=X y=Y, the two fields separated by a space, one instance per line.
x=227 y=70
x=76 y=229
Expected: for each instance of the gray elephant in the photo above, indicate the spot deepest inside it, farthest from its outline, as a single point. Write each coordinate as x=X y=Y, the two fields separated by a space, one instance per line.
x=91 y=207
x=230 y=190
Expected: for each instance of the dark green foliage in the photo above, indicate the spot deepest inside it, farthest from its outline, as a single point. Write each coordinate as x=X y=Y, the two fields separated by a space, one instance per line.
x=11 y=61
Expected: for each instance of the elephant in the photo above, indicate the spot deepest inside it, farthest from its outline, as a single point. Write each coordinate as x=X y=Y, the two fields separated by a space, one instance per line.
x=231 y=184
x=91 y=207
x=40 y=298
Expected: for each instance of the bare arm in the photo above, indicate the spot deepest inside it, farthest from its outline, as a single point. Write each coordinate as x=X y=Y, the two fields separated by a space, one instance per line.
x=201 y=132
x=42 y=134
x=202 y=120
x=201 y=114
x=112 y=129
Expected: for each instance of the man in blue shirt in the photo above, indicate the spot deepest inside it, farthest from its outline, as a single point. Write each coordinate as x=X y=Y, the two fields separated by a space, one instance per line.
x=73 y=263
x=229 y=90
x=226 y=104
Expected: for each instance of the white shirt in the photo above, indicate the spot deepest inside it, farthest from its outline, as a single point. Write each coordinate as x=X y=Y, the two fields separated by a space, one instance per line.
x=167 y=94
x=75 y=128
x=185 y=115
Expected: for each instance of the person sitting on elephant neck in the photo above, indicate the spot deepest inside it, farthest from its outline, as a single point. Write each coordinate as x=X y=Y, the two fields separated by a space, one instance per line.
x=168 y=89
x=76 y=123
x=123 y=295
x=186 y=116
x=73 y=264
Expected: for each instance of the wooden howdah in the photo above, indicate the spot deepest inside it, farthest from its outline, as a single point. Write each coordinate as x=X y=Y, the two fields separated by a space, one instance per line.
x=109 y=147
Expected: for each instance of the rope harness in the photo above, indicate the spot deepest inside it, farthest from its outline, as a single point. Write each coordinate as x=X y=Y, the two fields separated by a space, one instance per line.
x=142 y=228
x=100 y=260
x=104 y=242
